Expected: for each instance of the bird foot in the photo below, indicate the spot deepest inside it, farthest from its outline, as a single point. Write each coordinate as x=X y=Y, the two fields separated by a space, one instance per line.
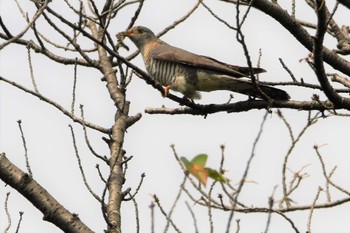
x=166 y=91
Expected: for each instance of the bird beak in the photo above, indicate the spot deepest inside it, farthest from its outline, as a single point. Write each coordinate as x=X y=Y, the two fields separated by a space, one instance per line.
x=128 y=33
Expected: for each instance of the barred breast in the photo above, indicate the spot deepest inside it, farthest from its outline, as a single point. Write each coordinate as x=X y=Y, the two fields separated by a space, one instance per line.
x=164 y=72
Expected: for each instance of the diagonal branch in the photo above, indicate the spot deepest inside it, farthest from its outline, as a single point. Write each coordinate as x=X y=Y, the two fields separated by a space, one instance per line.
x=53 y=211
x=56 y=105
x=337 y=100
x=345 y=3
x=296 y=29
x=29 y=25
x=242 y=106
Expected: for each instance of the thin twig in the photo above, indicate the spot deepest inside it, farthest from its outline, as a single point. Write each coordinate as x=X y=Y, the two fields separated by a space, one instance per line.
x=325 y=172
x=31 y=70
x=143 y=175
x=312 y=210
x=175 y=203
x=238 y=225
x=240 y=37
x=193 y=217
x=288 y=70
x=56 y=105
x=103 y=158
x=240 y=187
x=221 y=168
x=270 y=202
x=151 y=206
x=25 y=149
x=19 y=221
x=217 y=17
x=137 y=218
x=309 y=123
x=74 y=86
x=171 y=26
x=156 y=200
x=100 y=173
x=280 y=114
x=7 y=213
x=66 y=36
x=29 y=25
x=81 y=167
x=288 y=220
x=210 y=214
x=136 y=14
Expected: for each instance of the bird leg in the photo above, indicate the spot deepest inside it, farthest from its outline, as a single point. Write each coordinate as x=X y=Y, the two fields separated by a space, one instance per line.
x=166 y=91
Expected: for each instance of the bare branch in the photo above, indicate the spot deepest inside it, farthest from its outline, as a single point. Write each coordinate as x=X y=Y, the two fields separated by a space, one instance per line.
x=143 y=175
x=74 y=88
x=286 y=193
x=25 y=149
x=241 y=106
x=156 y=200
x=193 y=217
x=81 y=167
x=290 y=24
x=151 y=206
x=217 y=17
x=56 y=105
x=9 y=221
x=136 y=14
x=53 y=211
x=29 y=25
x=103 y=158
x=312 y=210
x=177 y=198
x=318 y=59
x=32 y=70
x=137 y=218
x=288 y=70
x=19 y=221
x=340 y=79
x=270 y=202
x=245 y=174
x=329 y=181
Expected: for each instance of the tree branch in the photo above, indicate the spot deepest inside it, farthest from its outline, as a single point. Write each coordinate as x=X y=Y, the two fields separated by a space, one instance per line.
x=56 y=105
x=242 y=106
x=337 y=100
x=296 y=29
x=53 y=211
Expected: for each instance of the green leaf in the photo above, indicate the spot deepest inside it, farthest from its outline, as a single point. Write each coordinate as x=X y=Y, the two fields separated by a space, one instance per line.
x=215 y=175
x=200 y=173
x=200 y=160
x=187 y=163
x=196 y=168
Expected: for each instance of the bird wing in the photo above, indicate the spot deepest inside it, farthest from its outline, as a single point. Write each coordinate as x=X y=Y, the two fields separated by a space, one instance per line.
x=168 y=53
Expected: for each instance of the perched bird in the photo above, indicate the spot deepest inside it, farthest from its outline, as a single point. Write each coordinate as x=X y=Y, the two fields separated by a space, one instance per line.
x=189 y=73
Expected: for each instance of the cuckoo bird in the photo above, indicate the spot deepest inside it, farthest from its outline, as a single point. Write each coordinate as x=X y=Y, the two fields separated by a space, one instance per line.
x=189 y=73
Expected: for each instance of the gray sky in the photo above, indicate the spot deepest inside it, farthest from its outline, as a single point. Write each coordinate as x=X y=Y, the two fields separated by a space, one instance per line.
x=55 y=166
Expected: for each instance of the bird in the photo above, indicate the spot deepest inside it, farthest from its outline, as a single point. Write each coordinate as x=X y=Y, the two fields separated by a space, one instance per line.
x=189 y=73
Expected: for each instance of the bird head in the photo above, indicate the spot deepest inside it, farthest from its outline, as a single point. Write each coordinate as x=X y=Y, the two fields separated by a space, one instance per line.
x=139 y=35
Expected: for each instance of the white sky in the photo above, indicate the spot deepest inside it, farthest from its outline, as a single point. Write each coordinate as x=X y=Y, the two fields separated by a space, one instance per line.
x=51 y=152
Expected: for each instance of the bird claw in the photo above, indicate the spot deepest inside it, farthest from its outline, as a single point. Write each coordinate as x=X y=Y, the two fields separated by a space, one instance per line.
x=166 y=91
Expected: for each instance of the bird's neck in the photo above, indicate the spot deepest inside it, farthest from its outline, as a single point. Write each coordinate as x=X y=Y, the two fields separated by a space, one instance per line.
x=148 y=47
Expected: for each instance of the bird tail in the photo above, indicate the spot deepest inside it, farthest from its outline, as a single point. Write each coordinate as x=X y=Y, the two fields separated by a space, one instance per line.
x=272 y=92
x=243 y=86
x=248 y=88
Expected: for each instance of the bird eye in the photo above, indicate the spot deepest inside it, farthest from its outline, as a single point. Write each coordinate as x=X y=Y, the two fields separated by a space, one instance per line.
x=140 y=31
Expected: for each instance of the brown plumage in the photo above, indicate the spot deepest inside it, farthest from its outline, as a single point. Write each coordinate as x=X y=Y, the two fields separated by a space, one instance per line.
x=190 y=73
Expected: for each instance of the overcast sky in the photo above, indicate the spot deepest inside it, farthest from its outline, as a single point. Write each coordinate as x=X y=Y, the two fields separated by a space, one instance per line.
x=55 y=166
